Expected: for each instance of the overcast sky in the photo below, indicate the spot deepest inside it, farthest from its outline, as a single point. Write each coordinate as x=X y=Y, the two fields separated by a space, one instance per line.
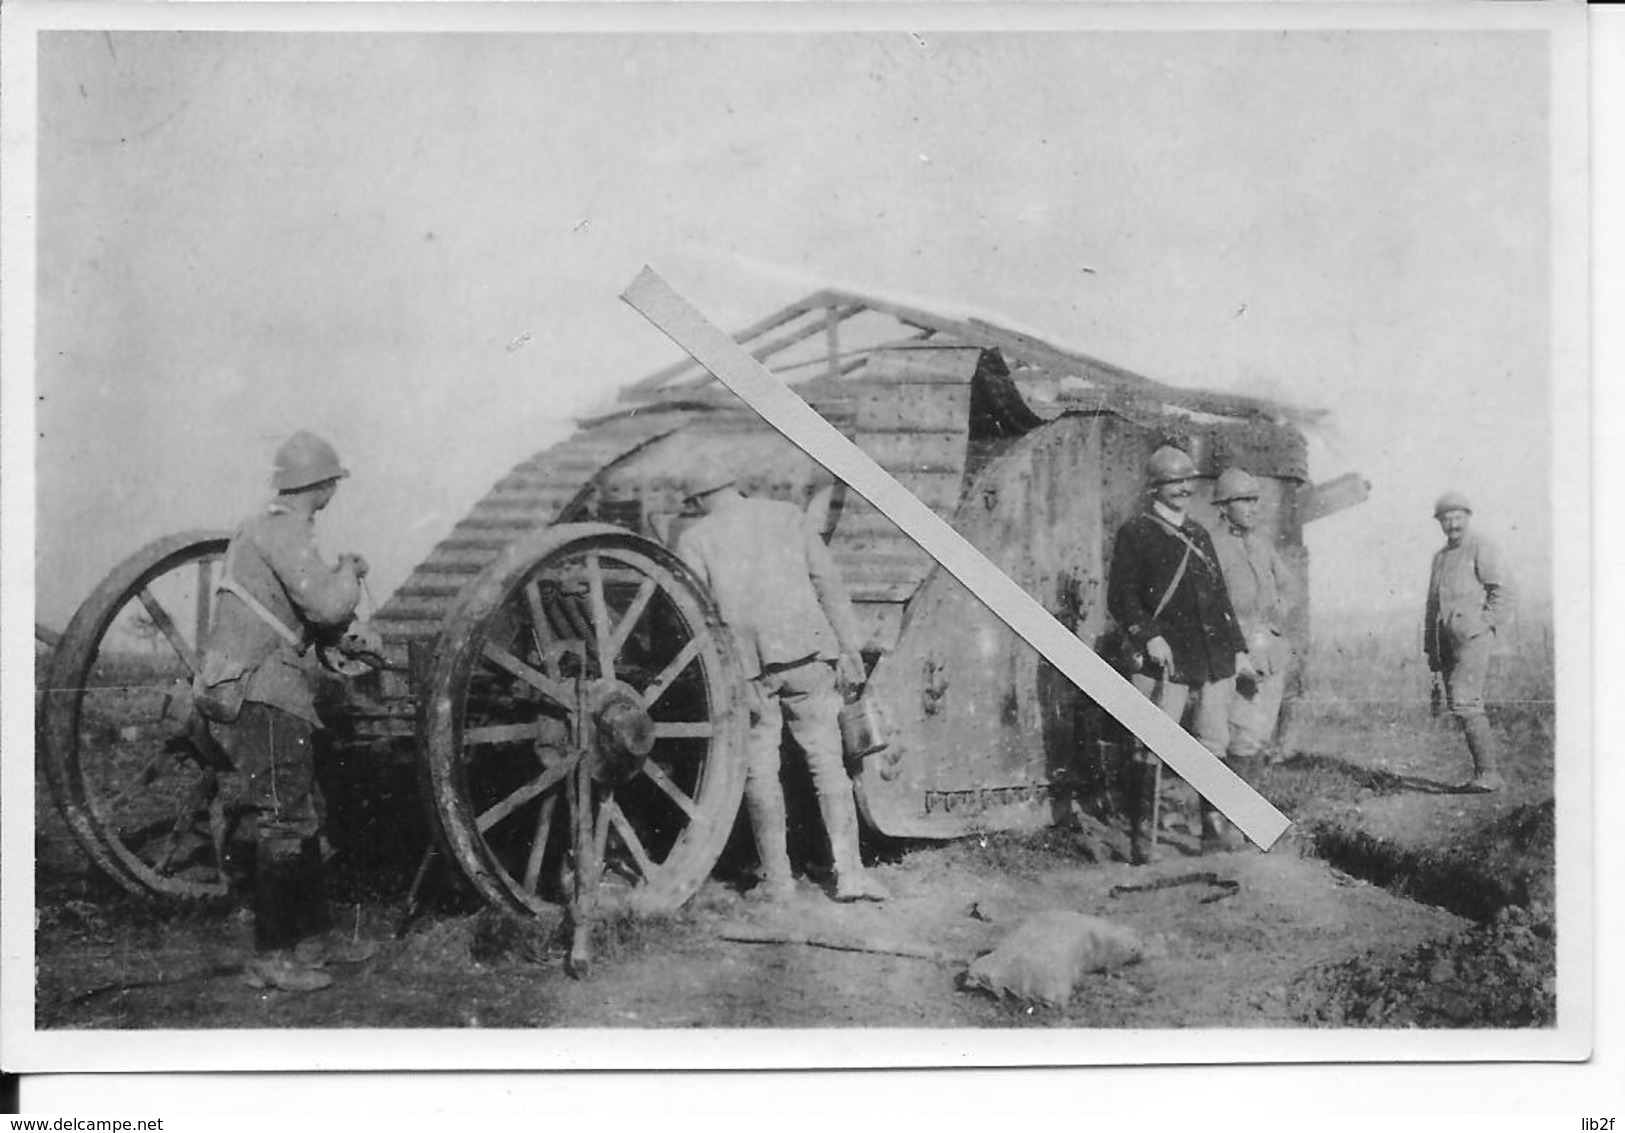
x=414 y=245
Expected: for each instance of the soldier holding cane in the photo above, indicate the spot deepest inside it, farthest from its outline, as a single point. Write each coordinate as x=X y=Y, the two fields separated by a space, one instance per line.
x=1167 y=595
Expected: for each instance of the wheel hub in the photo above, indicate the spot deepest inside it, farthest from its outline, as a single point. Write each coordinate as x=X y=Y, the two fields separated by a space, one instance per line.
x=623 y=735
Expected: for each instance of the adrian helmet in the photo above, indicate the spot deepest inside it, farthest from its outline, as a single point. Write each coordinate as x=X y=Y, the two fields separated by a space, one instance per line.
x=303 y=461
x=1451 y=501
x=1169 y=464
x=1235 y=484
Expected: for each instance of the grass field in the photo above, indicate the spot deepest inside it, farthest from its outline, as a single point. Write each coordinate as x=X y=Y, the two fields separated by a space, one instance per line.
x=1370 y=785
x=1369 y=669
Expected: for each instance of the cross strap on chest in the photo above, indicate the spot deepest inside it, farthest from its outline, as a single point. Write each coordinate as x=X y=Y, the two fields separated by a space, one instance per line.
x=229 y=585
x=1184 y=562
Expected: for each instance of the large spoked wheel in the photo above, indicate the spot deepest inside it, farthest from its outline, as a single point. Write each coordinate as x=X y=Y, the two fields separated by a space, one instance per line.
x=131 y=767
x=583 y=725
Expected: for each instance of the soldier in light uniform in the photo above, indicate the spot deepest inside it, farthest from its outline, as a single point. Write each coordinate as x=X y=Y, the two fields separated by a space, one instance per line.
x=781 y=594
x=1167 y=595
x=1469 y=605
x=1262 y=592
x=277 y=596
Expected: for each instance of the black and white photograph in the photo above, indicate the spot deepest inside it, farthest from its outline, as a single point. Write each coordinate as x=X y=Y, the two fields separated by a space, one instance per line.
x=883 y=537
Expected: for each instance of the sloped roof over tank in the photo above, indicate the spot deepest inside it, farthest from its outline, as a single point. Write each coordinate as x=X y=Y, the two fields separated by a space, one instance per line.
x=827 y=340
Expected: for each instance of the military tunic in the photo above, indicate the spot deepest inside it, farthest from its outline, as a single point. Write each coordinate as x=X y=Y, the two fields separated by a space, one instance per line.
x=1262 y=590
x=1469 y=605
x=781 y=594
x=775 y=581
x=1196 y=621
x=273 y=556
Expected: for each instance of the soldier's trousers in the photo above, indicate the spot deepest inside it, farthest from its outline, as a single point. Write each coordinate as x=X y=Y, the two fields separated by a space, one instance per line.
x=803 y=697
x=1466 y=671
x=1210 y=722
x=272 y=751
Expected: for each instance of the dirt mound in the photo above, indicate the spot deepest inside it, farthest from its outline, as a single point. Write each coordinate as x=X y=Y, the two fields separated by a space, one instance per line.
x=1503 y=974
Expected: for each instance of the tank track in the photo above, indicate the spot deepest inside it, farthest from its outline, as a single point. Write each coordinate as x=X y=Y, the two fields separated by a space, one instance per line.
x=541 y=491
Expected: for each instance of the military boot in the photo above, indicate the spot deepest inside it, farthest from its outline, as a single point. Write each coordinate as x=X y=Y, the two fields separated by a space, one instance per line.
x=1486 y=759
x=281 y=916
x=852 y=881
x=276 y=896
x=1251 y=769
x=767 y=822
x=1139 y=797
x=312 y=917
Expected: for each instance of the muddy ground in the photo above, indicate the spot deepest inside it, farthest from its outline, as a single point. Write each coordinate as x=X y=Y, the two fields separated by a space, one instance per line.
x=1393 y=901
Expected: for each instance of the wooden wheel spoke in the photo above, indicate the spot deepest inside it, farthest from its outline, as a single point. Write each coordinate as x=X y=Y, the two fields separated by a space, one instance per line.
x=186 y=814
x=160 y=618
x=629 y=837
x=539 y=628
x=687 y=805
x=538 y=845
x=140 y=780
x=502 y=733
x=684 y=729
x=629 y=620
x=684 y=658
x=600 y=617
x=557 y=691
x=600 y=836
x=540 y=785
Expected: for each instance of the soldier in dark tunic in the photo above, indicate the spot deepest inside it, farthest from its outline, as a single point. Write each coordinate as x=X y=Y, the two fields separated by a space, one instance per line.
x=1167 y=595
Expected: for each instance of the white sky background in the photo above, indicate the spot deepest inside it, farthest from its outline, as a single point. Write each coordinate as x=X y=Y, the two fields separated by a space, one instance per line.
x=244 y=234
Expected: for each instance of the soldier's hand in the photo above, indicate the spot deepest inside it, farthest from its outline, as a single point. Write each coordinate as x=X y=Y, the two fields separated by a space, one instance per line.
x=1157 y=650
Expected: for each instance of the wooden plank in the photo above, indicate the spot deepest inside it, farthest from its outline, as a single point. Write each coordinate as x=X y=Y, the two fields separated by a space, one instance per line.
x=785 y=315
x=1333 y=496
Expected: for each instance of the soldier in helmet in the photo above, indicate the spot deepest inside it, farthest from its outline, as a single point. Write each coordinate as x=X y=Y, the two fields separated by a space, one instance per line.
x=1262 y=591
x=277 y=595
x=1469 y=605
x=781 y=594
x=1167 y=595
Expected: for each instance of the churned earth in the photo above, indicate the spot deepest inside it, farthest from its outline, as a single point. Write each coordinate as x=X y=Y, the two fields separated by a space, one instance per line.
x=1392 y=901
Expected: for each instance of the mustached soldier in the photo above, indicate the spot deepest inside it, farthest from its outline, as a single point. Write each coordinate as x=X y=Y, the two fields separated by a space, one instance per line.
x=1166 y=593
x=1469 y=606
x=277 y=596
x=781 y=594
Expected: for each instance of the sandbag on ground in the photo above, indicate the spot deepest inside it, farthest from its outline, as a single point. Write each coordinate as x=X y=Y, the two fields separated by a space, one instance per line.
x=1043 y=959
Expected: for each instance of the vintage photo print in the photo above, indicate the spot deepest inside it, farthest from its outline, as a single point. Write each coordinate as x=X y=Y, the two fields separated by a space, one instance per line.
x=1146 y=617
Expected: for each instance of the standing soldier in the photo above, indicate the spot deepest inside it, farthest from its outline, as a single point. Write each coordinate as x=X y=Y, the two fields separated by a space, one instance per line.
x=781 y=594
x=1167 y=595
x=1262 y=590
x=1469 y=604
x=277 y=597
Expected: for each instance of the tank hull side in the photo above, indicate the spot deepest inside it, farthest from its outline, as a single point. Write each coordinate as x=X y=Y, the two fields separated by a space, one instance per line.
x=982 y=731
x=987 y=735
